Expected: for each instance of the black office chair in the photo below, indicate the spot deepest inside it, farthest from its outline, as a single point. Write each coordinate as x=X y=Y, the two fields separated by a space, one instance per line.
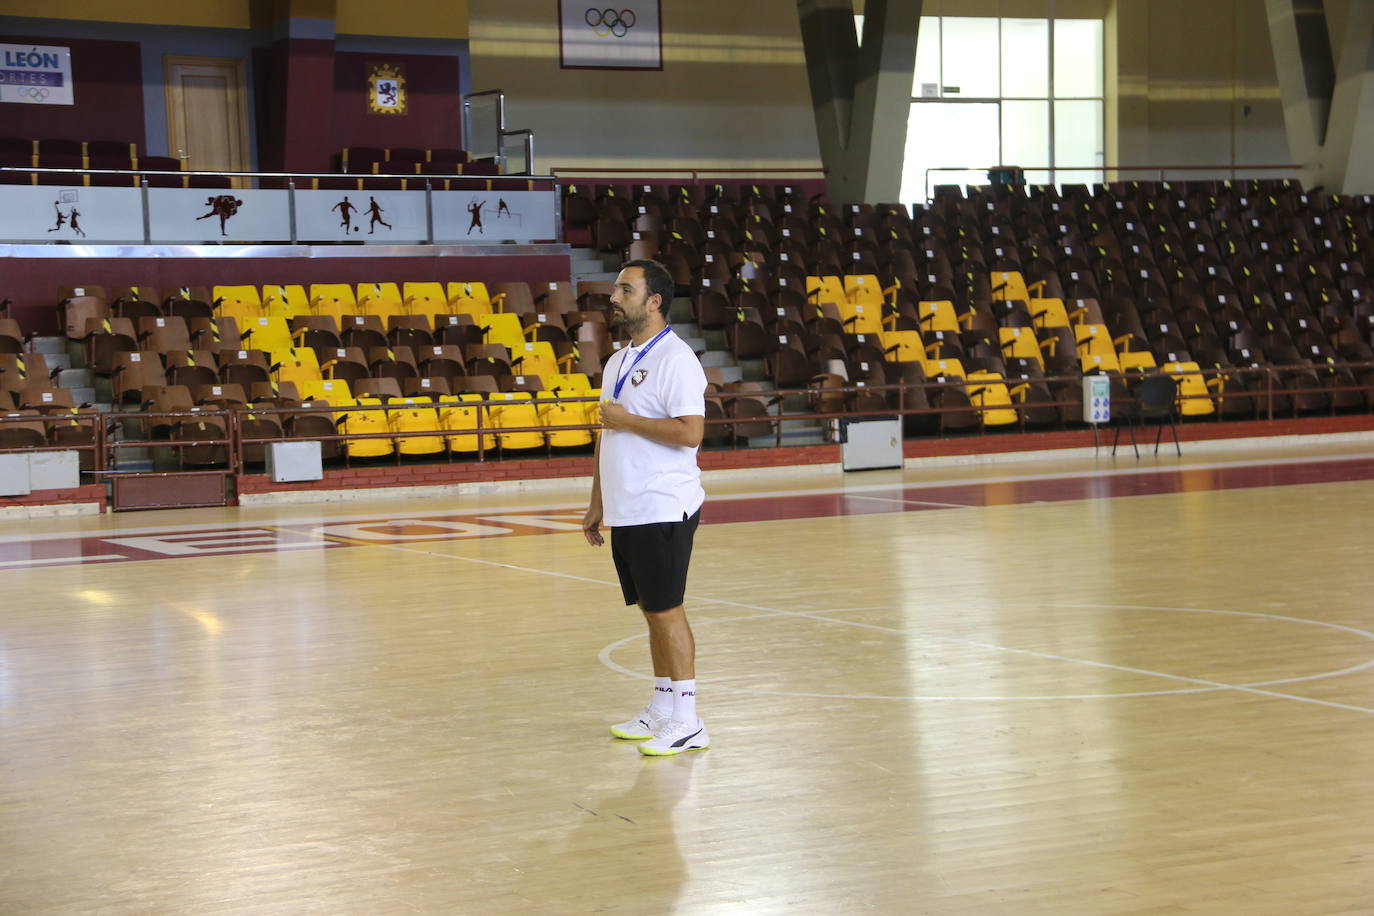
x=1156 y=398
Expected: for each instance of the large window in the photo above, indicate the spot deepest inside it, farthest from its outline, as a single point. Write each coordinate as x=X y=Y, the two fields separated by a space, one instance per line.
x=1024 y=92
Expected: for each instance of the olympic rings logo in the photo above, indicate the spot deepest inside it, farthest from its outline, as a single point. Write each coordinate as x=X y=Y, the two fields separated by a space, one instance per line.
x=37 y=93
x=609 y=22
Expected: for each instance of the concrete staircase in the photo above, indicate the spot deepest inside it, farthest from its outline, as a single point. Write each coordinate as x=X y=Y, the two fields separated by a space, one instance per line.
x=94 y=392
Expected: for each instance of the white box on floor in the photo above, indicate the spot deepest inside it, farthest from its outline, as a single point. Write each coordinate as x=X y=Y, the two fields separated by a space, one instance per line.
x=54 y=470
x=871 y=443
x=291 y=461
x=14 y=475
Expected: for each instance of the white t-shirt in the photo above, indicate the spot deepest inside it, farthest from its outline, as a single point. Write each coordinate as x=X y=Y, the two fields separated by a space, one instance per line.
x=642 y=481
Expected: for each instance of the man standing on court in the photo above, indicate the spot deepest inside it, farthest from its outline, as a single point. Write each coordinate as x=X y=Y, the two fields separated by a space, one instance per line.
x=647 y=489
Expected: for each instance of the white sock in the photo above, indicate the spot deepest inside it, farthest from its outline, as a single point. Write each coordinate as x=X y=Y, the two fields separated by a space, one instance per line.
x=662 y=703
x=685 y=700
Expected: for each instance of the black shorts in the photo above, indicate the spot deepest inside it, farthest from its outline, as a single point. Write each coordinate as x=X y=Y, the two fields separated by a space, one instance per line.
x=652 y=560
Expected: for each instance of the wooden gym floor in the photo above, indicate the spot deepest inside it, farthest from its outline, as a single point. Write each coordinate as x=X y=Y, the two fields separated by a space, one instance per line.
x=1082 y=687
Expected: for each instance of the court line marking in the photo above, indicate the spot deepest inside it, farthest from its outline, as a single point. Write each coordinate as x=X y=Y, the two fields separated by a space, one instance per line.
x=849 y=490
x=1206 y=685
x=917 y=502
x=49 y=561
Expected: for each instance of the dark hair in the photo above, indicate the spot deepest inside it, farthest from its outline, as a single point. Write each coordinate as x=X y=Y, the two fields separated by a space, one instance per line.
x=656 y=280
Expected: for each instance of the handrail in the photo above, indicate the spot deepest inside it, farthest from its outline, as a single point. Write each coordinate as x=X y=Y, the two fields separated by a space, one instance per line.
x=501 y=131
x=694 y=171
x=529 y=145
x=182 y=174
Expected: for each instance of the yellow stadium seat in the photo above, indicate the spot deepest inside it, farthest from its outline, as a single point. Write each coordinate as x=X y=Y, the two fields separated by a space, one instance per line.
x=1049 y=313
x=380 y=299
x=903 y=346
x=305 y=355
x=554 y=416
x=1194 y=396
x=469 y=299
x=937 y=316
x=1094 y=340
x=284 y=301
x=240 y=302
x=335 y=299
x=576 y=384
x=356 y=422
x=1136 y=359
x=859 y=318
x=1019 y=343
x=460 y=412
x=568 y=383
x=534 y=358
x=417 y=415
x=513 y=409
x=988 y=390
x=426 y=299
x=333 y=391
x=593 y=408
x=864 y=289
x=950 y=368
x=825 y=289
x=266 y=334
x=502 y=329
x=298 y=365
x=1008 y=285
x=1099 y=362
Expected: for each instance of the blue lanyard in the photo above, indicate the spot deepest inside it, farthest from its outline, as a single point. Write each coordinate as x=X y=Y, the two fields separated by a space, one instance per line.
x=620 y=382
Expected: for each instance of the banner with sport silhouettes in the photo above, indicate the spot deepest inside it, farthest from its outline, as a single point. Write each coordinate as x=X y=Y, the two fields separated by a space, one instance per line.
x=196 y=216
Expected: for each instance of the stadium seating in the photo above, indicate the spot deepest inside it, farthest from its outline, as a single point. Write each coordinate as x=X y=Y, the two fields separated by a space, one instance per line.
x=989 y=305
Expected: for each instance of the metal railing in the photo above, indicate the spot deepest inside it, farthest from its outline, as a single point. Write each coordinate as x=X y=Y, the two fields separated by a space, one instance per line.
x=501 y=132
x=283 y=177
x=694 y=173
x=1262 y=393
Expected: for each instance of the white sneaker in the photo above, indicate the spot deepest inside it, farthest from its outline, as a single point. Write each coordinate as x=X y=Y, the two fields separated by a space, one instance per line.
x=675 y=737
x=644 y=725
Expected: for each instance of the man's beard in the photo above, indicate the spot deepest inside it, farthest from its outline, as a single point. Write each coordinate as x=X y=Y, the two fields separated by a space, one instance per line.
x=621 y=319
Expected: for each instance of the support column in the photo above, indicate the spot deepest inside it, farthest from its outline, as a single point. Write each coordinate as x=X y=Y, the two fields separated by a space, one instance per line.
x=1326 y=77
x=302 y=87
x=861 y=92
x=1350 y=126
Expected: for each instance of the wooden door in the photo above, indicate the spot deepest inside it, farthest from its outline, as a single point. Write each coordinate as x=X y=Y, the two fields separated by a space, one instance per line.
x=207 y=113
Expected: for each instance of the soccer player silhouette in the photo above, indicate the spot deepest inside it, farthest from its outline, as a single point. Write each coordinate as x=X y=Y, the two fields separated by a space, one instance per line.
x=345 y=208
x=374 y=210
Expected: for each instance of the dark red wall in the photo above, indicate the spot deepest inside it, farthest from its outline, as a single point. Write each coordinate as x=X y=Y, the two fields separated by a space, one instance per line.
x=301 y=71
x=434 y=106
x=108 y=81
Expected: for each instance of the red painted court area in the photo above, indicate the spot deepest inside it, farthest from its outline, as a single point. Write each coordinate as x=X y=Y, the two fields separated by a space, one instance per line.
x=41 y=551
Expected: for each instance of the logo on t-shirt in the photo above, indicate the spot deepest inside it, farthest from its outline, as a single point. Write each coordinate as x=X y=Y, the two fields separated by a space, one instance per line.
x=639 y=376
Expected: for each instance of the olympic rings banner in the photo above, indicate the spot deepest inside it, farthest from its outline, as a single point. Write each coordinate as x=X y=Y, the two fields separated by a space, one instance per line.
x=36 y=75
x=610 y=34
